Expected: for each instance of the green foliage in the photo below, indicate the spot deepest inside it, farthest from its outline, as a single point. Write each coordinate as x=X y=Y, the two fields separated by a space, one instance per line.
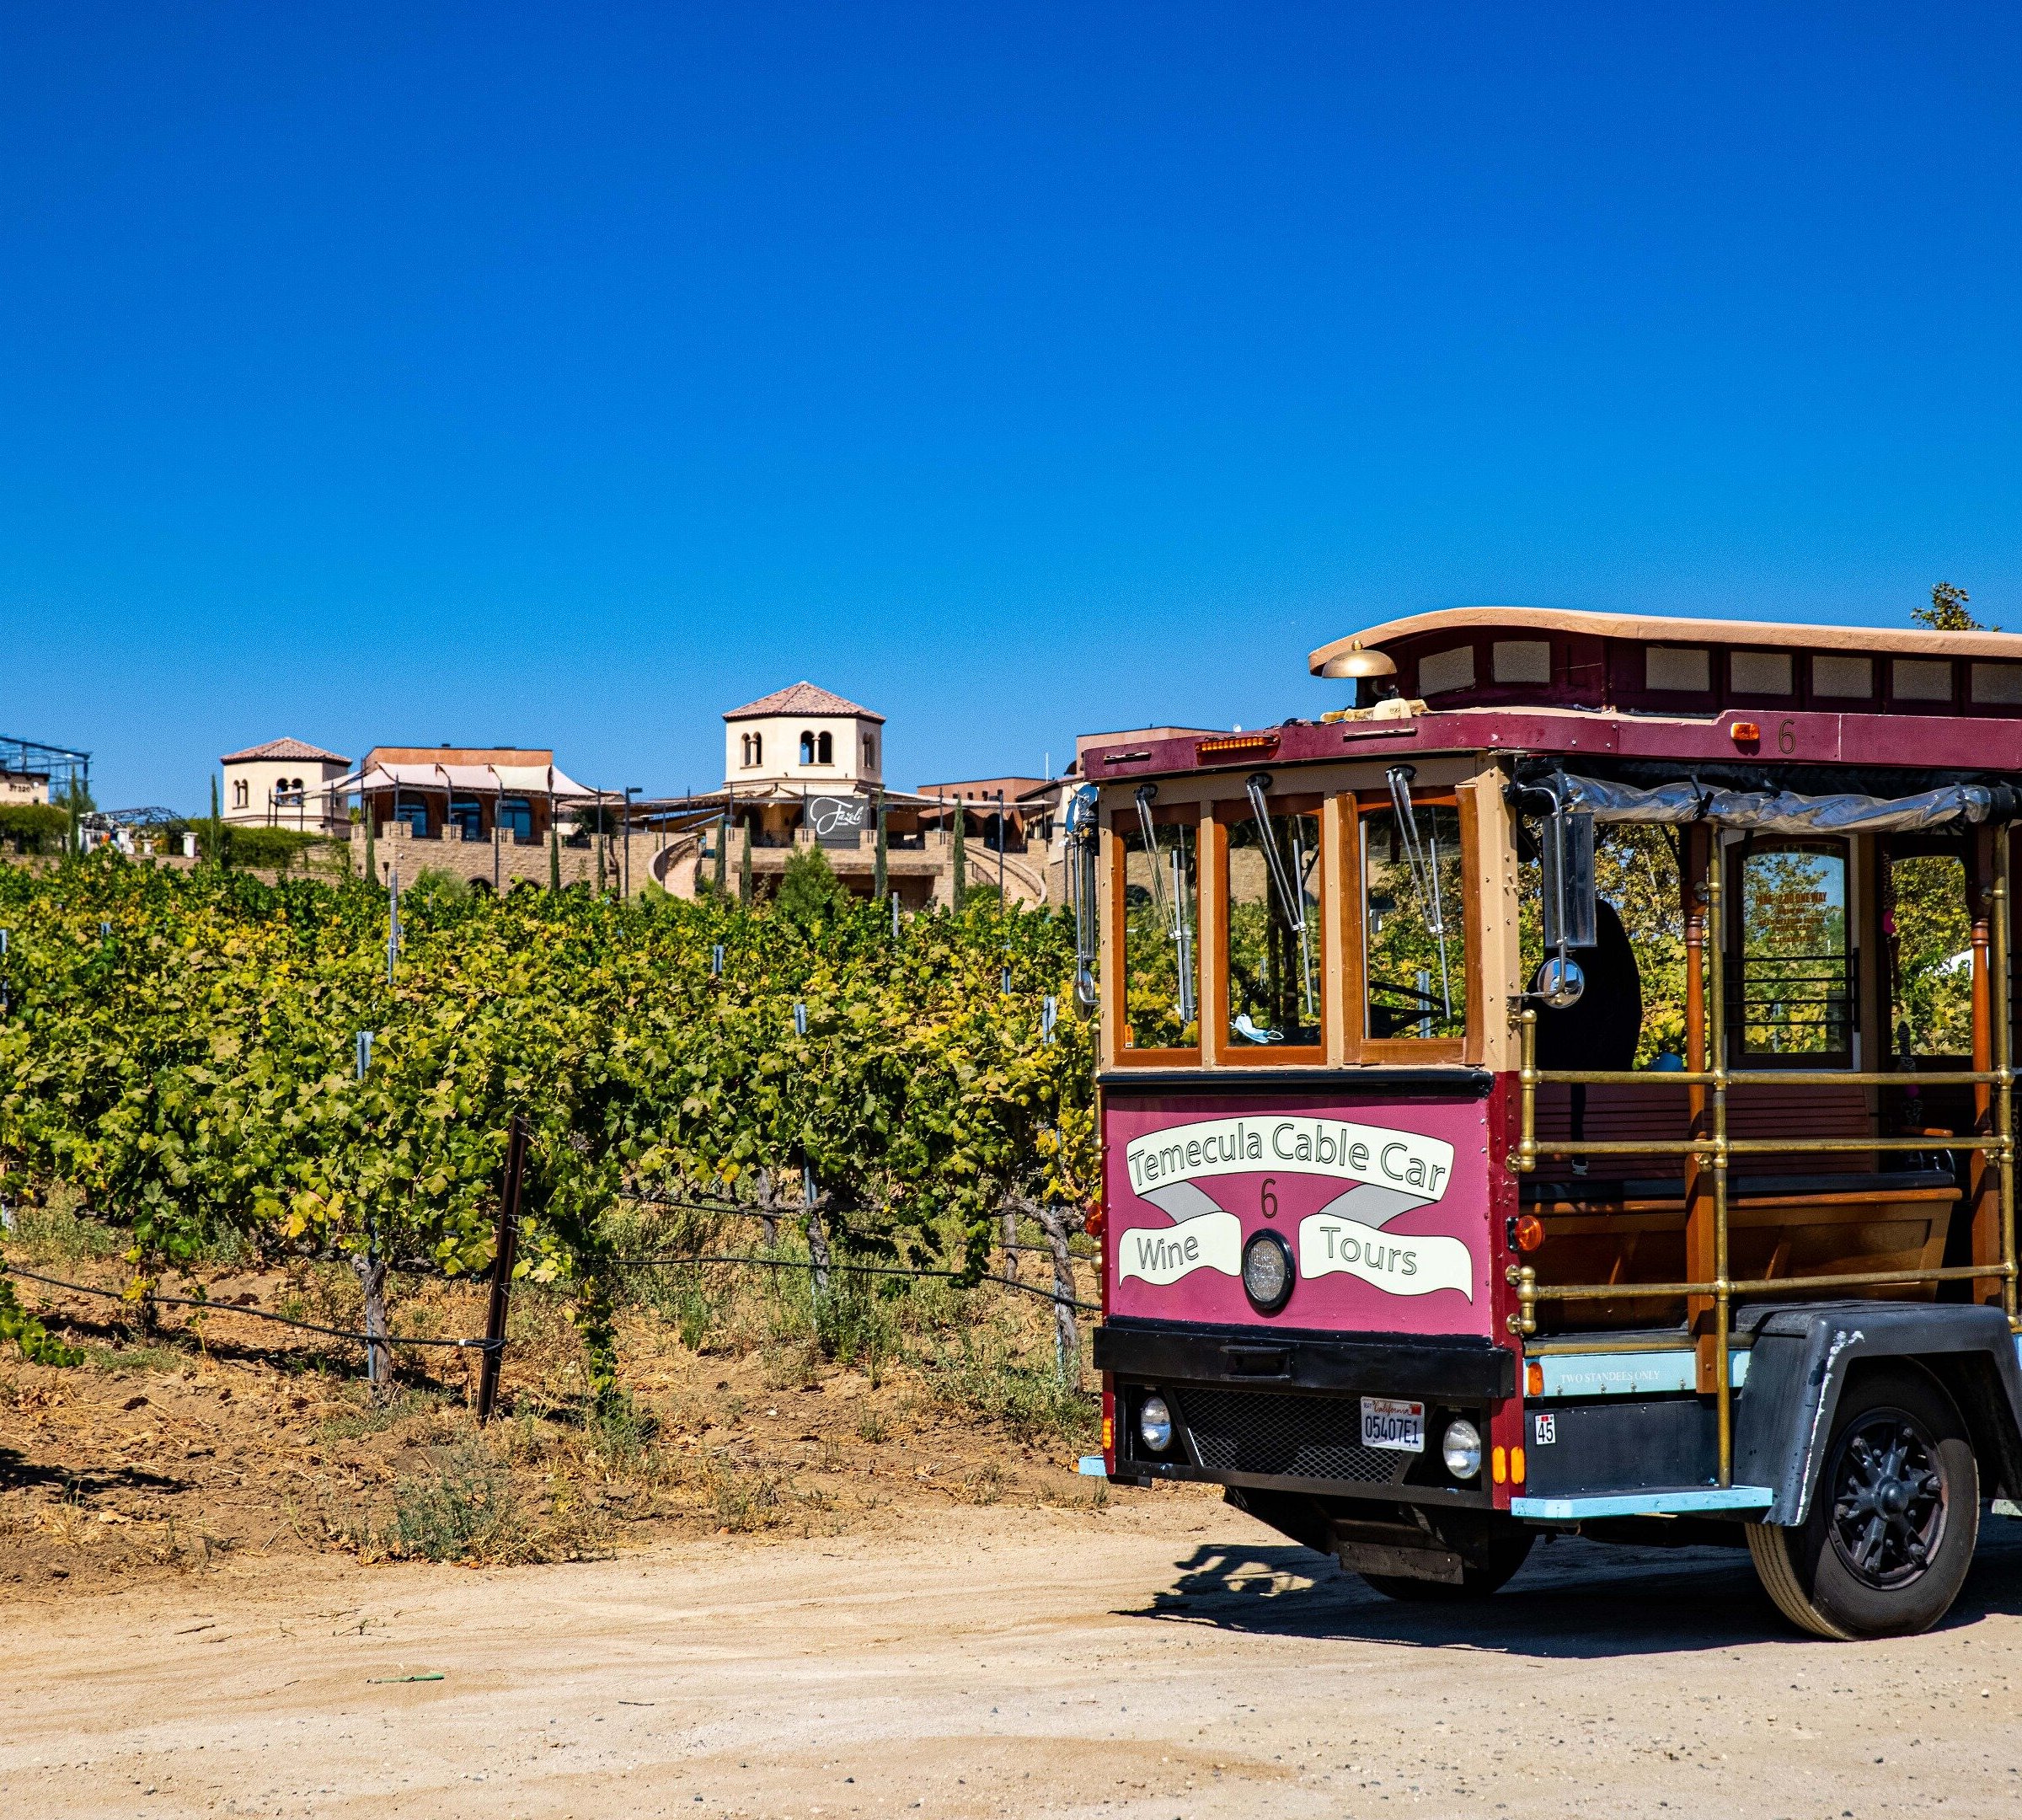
x=462 y=1508
x=191 y=1072
x=810 y=892
x=1927 y=934
x=29 y=1337
x=276 y=847
x=34 y=828
x=436 y=885
x=1947 y=612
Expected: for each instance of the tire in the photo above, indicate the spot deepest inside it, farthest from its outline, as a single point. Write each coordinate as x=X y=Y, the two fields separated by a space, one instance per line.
x=1894 y=1517
x=1507 y=1552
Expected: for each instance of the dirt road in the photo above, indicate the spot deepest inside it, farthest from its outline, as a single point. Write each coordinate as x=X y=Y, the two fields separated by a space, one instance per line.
x=1164 y=1657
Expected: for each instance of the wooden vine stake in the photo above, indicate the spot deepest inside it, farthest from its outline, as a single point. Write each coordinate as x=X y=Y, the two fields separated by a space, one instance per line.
x=503 y=1248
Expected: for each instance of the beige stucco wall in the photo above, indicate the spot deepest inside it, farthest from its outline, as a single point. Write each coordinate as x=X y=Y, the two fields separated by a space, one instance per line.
x=247 y=783
x=781 y=734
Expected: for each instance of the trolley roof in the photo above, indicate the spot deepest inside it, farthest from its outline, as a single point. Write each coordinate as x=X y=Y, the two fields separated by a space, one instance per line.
x=1637 y=691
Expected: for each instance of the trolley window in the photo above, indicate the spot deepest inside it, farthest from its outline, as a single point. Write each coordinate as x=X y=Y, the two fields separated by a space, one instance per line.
x=1271 y=926
x=1794 y=972
x=1158 y=927
x=1414 y=920
x=1927 y=939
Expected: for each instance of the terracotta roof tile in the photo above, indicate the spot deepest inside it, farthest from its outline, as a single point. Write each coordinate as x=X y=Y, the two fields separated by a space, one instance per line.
x=800 y=698
x=287 y=749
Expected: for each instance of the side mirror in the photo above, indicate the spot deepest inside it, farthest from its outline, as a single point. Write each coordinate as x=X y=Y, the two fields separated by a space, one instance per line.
x=1571 y=918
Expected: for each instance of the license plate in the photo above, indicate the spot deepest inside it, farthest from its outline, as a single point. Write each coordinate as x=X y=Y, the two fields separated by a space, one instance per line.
x=1390 y=1422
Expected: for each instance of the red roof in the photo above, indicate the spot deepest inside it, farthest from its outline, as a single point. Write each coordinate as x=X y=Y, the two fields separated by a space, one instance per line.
x=287 y=749
x=800 y=699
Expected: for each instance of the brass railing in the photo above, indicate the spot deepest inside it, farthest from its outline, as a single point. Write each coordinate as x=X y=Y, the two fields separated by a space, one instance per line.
x=1714 y=1148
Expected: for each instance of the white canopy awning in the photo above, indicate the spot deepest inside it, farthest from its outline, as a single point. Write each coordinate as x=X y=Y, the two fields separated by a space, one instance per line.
x=502 y=780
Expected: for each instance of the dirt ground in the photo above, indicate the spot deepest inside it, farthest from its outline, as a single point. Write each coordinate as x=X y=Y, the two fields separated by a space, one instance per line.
x=162 y=1453
x=1160 y=1656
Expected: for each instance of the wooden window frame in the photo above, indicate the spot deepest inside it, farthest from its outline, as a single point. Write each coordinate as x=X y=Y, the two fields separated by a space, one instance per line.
x=1884 y=850
x=1358 y=1046
x=1214 y=875
x=1735 y=856
x=1116 y=979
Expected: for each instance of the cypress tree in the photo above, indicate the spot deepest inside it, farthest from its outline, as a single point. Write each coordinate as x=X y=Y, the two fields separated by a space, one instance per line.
x=723 y=855
x=878 y=881
x=961 y=857
x=744 y=869
x=218 y=828
x=371 y=855
x=554 y=858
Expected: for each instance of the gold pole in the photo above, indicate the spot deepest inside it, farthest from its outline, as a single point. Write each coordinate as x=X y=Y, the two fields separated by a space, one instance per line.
x=1526 y=1158
x=1723 y=1291
x=2003 y=1070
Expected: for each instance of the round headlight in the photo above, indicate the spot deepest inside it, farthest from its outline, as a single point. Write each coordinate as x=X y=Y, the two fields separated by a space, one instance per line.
x=1267 y=1275
x=1155 y=1424
x=1461 y=1449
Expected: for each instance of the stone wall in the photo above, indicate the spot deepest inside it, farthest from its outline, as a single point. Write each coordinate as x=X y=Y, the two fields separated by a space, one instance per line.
x=500 y=862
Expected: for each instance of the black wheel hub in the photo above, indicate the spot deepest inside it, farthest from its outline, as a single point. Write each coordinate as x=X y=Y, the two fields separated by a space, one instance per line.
x=1888 y=1500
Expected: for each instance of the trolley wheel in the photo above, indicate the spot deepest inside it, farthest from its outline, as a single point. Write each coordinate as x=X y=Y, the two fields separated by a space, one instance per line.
x=1506 y=1554
x=1894 y=1518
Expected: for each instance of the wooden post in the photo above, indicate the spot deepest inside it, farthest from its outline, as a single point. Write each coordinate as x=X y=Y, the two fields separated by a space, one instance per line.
x=1066 y=1337
x=505 y=1244
x=378 y=1356
x=817 y=1238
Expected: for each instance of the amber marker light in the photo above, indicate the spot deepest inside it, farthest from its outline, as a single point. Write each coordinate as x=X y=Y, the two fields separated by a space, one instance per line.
x=1530 y=1232
x=1746 y=733
x=1534 y=1379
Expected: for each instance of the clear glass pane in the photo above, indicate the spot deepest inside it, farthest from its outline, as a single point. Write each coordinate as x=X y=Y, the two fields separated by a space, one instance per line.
x=1795 y=988
x=1927 y=932
x=1274 y=932
x=1414 y=925
x=1161 y=951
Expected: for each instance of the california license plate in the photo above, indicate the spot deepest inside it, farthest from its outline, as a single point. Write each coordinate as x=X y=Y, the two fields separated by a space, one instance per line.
x=1391 y=1422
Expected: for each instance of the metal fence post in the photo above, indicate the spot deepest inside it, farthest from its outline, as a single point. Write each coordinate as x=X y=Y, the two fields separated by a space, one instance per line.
x=503 y=1246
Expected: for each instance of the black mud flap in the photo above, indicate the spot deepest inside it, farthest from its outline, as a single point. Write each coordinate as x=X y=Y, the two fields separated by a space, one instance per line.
x=1414 y=1546
x=1798 y=1367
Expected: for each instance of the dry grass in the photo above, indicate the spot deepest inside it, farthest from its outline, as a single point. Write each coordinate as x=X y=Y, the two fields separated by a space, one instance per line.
x=748 y=1408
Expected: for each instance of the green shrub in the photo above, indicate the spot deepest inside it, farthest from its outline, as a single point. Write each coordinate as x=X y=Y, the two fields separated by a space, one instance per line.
x=462 y=1509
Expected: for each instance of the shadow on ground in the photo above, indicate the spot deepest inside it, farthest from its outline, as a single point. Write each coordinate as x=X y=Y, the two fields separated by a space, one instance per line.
x=18 y=1473
x=1573 y=1599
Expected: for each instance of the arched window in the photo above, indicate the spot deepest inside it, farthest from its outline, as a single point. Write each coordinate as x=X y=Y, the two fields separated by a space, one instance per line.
x=238 y=792
x=807 y=749
x=870 y=751
x=825 y=750
x=745 y=747
x=757 y=748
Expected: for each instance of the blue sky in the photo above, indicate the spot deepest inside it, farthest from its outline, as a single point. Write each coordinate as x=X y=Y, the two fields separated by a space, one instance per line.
x=565 y=376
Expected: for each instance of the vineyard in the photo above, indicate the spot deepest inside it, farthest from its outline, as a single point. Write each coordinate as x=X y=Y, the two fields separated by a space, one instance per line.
x=810 y=1119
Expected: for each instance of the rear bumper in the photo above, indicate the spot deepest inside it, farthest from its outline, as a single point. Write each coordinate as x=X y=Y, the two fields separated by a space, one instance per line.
x=1279 y=1410
x=1460 y=1370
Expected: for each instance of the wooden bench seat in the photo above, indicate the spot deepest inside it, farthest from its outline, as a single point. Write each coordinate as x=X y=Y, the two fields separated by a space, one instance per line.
x=1805 y=1214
